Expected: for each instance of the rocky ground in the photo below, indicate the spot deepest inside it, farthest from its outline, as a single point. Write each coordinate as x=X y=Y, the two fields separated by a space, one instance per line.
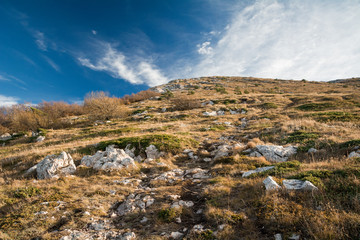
x=210 y=158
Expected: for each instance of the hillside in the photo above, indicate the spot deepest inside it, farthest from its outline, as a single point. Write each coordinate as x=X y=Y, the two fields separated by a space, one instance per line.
x=184 y=172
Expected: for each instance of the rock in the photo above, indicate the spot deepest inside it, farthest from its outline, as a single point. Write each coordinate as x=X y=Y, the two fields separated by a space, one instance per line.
x=176 y=235
x=134 y=203
x=110 y=159
x=221 y=151
x=354 y=154
x=197 y=173
x=294 y=237
x=278 y=236
x=198 y=228
x=220 y=113
x=34 y=134
x=152 y=152
x=207 y=103
x=234 y=112
x=130 y=151
x=5 y=137
x=53 y=166
x=41 y=213
x=273 y=153
x=210 y=114
x=182 y=203
x=294 y=184
x=128 y=236
x=170 y=176
x=244 y=123
x=270 y=184
x=312 y=150
x=258 y=170
x=178 y=220
x=144 y=220
x=40 y=138
x=163 y=110
x=207 y=159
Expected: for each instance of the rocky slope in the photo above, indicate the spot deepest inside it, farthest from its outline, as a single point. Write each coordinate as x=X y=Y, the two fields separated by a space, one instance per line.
x=210 y=158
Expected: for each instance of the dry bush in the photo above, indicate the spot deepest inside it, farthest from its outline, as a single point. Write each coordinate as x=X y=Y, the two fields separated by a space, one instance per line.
x=24 y=118
x=140 y=96
x=60 y=109
x=100 y=106
x=185 y=103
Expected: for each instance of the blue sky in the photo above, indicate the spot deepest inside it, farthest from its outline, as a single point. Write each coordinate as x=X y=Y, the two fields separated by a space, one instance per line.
x=60 y=50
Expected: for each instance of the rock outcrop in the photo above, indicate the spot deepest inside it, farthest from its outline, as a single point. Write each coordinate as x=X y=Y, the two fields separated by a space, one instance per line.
x=258 y=170
x=5 y=137
x=54 y=166
x=270 y=184
x=294 y=184
x=110 y=159
x=134 y=203
x=354 y=154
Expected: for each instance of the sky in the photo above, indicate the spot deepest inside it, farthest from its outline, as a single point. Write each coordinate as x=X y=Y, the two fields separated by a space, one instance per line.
x=61 y=50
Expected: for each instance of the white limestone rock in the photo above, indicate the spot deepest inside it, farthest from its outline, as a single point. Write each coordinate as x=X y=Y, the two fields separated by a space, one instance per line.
x=134 y=203
x=196 y=173
x=152 y=153
x=5 y=137
x=222 y=151
x=210 y=114
x=54 y=166
x=128 y=236
x=312 y=150
x=176 y=235
x=273 y=152
x=110 y=159
x=270 y=184
x=258 y=170
x=40 y=139
x=354 y=154
x=170 y=176
x=295 y=184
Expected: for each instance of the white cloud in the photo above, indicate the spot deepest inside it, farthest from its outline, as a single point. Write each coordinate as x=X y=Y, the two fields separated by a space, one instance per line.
x=204 y=48
x=52 y=63
x=6 y=101
x=40 y=40
x=3 y=78
x=116 y=64
x=94 y=32
x=315 y=40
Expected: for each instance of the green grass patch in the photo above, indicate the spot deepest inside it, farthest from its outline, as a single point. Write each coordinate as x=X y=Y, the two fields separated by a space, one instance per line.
x=26 y=192
x=335 y=116
x=301 y=137
x=168 y=214
x=316 y=106
x=351 y=143
x=268 y=105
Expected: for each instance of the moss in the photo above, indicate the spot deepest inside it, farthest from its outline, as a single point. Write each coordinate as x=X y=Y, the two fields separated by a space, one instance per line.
x=316 y=106
x=206 y=235
x=220 y=89
x=163 y=142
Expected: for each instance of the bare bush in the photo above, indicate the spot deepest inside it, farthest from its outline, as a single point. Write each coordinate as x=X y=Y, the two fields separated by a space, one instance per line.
x=100 y=106
x=185 y=103
x=140 y=96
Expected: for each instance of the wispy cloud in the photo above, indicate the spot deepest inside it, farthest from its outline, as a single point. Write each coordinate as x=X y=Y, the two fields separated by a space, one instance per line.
x=52 y=63
x=316 y=40
x=40 y=40
x=138 y=71
x=7 y=101
x=3 y=78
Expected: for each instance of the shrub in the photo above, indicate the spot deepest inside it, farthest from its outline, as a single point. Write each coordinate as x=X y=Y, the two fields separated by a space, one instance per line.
x=335 y=116
x=168 y=214
x=26 y=192
x=185 y=103
x=220 y=89
x=102 y=107
x=140 y=96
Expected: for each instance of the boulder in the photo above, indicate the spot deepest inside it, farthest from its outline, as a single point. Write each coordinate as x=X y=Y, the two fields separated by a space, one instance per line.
x=272 y=152
x=54 y=166
x=5 y=137
x=197 y=173
x=270 y=184
x=221 y=151
x=294 y=184
x=211 y=114
x=258 y=170
x=176 y=235
x=110 y=159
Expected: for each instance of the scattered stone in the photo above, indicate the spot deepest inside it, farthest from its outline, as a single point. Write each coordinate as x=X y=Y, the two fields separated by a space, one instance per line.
x=272 y=152
x=152 y=153
x=176 y=235
x=128 y=236
x=178 y=220
x=40 y=138
x=174 y=197
x=5 y=137
x=258 y=170
x=278 y=236
x=144 y=220
x=207 y=159
x=294 y=184
x=210 y=114
x=312 y=150
x=196 y=173
x=220 y=113
x=170 y=176
x=198 y=228
x=182 y=203
x=134 y=203
x=130 y=151
x=233 y=112
x=354 y=154
x=53 y=166
x=110 y=159
x=207 y=103
x=41 y=213
x=221 y=151
x=270 y=184
x=294 y=237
